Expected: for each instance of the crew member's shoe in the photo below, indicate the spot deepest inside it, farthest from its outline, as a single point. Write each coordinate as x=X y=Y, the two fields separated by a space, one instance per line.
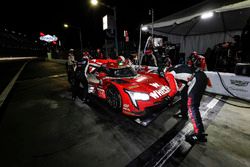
x=196 y=138
x=85 y=100
x=180 y=115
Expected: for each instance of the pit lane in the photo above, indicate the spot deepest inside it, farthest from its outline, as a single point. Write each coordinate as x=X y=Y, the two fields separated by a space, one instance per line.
x=42 y=126
x=8 y=69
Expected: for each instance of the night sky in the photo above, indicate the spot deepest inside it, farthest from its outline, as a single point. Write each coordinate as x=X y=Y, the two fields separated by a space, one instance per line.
x=48 y=16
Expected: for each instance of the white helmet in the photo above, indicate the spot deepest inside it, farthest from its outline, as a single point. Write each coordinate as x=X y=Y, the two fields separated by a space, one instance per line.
x=121 y=58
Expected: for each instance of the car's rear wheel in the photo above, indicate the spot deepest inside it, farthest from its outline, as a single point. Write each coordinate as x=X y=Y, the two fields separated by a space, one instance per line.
x=114 y=98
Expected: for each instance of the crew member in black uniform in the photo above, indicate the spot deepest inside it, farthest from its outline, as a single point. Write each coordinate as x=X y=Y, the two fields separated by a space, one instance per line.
x=70 y=66
x=194 y=82
x=81 y=78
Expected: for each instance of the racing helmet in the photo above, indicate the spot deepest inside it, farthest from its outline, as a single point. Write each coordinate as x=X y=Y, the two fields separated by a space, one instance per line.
x=86 y=53
x=121 y=58
x=71 y=50
x=197 y=61
x=164 y=68
x=168 y=62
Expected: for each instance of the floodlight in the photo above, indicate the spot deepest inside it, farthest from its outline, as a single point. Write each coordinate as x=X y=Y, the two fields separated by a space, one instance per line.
x=207 y=15
x=144 y=28
x=65 y=25
x=94 y=2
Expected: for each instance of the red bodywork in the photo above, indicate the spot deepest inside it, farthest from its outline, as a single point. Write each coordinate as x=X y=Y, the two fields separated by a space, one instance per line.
x=146 y=86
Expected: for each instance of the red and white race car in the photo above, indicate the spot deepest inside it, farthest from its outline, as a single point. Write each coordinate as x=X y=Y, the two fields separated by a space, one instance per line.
x=133 y=93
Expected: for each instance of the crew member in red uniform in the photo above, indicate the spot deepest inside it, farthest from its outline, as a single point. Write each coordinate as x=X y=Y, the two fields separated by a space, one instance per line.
x=99 y=54
x=194 y=82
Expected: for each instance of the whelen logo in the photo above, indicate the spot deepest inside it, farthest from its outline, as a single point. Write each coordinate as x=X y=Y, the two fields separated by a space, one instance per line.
x=158 y=93
x=156 y=85
x=239 y=83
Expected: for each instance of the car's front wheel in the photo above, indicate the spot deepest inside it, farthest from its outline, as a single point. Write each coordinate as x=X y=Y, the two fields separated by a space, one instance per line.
x=114 y=98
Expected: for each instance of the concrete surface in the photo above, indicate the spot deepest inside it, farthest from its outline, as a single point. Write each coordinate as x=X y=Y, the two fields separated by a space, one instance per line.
x=228 y=140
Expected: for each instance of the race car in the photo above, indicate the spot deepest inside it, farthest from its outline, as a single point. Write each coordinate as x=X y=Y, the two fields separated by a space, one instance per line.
x=125 y=90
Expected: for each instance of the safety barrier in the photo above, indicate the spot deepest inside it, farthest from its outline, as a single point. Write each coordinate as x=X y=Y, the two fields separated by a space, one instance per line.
x=229 y=84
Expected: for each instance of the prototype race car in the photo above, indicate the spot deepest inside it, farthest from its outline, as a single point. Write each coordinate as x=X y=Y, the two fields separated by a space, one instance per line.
x=133 y=93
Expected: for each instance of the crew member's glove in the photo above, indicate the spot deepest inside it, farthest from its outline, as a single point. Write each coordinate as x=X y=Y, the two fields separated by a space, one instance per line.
x=162 y=74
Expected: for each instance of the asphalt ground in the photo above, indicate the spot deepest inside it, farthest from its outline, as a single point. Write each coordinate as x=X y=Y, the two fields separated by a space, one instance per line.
x=8 y=69
x=42 y=126
x=39 y=69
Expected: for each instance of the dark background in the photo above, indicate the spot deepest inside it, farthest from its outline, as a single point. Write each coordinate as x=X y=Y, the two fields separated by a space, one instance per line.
x=48 y=16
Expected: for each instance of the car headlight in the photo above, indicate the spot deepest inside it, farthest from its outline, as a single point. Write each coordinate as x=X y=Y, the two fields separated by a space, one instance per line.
x=134 y=96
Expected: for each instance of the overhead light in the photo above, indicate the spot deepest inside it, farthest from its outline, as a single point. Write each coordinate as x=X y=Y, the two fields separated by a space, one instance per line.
x=144 y=28
x=207 y=15
x=65 y=25
x=94 y=2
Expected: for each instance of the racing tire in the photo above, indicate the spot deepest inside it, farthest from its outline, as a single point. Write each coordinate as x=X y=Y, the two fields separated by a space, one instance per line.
x=114 y=99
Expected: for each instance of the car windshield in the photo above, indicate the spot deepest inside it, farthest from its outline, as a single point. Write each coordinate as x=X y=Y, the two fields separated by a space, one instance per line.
x=122 y=72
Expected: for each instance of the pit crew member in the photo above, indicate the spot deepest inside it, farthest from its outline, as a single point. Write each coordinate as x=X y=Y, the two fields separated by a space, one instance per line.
x=194 y=82
x=81 y=78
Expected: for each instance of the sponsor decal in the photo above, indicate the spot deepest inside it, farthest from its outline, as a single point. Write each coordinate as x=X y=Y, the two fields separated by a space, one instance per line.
x=133 y=86
x=91 y=69
x=239 y=83
x=239 y=90
x=101 y=93
x=126 y=107
x=160 y=92
x=156 y=85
